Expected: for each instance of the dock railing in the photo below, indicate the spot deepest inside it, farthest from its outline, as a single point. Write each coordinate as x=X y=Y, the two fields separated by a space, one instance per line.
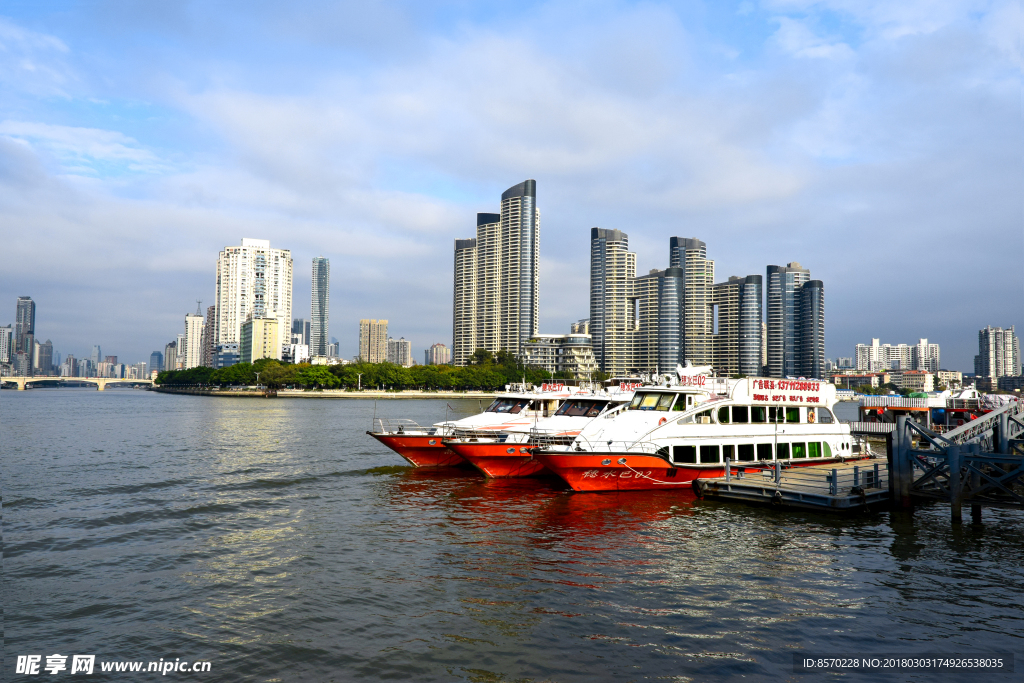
x=870 y=474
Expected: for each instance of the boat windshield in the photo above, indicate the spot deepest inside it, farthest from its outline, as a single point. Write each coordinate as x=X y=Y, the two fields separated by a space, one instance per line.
x=581 y=408
x=651 y=401
x=508 y=405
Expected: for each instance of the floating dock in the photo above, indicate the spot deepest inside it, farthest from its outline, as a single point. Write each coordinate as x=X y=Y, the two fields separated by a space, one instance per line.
x=853 y=485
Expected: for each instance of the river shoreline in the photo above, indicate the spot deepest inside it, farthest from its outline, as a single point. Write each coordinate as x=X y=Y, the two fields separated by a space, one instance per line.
x=326 y=393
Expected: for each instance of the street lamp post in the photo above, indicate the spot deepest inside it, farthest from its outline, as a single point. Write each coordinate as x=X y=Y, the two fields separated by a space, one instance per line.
x=359 y=380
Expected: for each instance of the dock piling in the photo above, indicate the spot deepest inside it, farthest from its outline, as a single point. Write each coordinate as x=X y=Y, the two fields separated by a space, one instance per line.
x=955 y=487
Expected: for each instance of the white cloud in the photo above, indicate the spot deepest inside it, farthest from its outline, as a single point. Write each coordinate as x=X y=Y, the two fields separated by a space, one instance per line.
x=80 y=150
x=32 y=62
x=796 y=38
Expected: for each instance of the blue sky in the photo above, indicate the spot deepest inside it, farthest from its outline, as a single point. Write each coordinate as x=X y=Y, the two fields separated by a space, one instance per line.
x=879 y=144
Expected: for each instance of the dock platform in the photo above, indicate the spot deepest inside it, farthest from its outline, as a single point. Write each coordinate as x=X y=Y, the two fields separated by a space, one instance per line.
x=839 y=487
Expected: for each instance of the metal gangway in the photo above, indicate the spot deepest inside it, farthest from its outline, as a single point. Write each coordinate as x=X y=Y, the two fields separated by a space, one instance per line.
x=980 y=463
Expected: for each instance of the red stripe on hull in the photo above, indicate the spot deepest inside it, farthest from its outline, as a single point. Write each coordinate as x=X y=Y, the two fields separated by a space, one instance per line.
x=587 y=472
x=494 y=460
x=421 y=451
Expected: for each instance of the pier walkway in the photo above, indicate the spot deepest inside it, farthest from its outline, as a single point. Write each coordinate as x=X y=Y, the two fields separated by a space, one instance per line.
x=851 y=485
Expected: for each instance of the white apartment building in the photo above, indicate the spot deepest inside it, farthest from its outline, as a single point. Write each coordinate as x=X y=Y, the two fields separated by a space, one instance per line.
x=876 y=357
x=254 y=281
x=373 y=340
x=400 y=352
x=193 y=351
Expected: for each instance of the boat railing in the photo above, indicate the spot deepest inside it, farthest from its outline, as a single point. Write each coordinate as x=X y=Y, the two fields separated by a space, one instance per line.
x=478 y=434
x=581 y=443
x=893 y=402
x=871 y=474
x=391 y=425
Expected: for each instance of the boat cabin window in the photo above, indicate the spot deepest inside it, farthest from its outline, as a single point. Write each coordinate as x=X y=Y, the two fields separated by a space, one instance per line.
x=764 y=451
x=789 y=414
x=683 y=403
x=792 y=414
x=824 y=416
x=684 y=454
x=710 y=454
x=651 y=401
x=758 y=414
x=581 y=408
x=723 y=415
x=782 y=451
x=508 y=405
x=740 y=414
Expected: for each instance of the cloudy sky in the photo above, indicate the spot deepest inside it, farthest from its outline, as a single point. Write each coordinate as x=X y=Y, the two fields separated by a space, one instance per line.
x=878 y=143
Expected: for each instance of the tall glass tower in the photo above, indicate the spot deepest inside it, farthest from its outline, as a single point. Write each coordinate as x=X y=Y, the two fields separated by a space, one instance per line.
x=784 y=283
x=321 y=303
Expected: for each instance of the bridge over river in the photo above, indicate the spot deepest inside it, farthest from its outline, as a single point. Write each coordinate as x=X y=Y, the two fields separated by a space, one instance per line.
x=100 y=382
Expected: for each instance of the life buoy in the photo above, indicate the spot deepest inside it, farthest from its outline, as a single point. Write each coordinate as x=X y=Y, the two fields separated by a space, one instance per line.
x=810 y=416
x=662 y=421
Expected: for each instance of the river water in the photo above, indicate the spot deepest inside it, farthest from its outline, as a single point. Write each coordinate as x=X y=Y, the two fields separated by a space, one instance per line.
x=275 y=540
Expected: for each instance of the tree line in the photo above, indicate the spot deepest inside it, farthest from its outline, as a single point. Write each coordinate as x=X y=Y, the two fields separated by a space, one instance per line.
x=486 y=372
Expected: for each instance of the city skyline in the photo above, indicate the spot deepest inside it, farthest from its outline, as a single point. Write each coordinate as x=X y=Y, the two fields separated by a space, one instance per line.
x=824 y=132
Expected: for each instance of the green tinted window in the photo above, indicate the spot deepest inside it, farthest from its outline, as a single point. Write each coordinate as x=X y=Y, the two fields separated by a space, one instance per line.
x=684 y=453
x=723 y=415
x=758 y=414
x=764 y=451
x=827 y=448
x=709 y=454
x=745 y=451
x=814 y=449
x=792 y=414
x=782 y=451
x=799 y=450
x=740 y=414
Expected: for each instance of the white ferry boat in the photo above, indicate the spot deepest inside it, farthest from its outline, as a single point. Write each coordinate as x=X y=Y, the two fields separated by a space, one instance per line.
x=510 y=453
x=686 y=429
x=517 y=407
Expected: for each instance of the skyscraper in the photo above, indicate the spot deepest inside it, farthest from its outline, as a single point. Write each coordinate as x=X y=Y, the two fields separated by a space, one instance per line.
x=209 y=332
x=156 y=361
x=438 y=354
x=97 y=354
x=321 y=303
x=690 y=254
x=44 y=358
x=497 y=277
x=751 y=326
x=193 y=350
x=998 y=353
x=612 y=300
x=170 y=355
x=300 y=331
x=784 y=283
x=25 y=330
x=811 y=330
x=373 y=340
x=464 y=314
x=253 y=281
x=671 y=292
x=6 y=343
x=399 y=352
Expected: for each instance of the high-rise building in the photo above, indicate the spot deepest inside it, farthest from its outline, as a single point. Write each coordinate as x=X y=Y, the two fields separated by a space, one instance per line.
x=156 y=361
x=876 y=357
x=465 y=314
x=193 y=351
x=400 y=352
x=254 y=281
x=6 y=343
x=565 y=354
x=373 y=340
x=260 y=338
x=85 y=368
x=438 y=354
x=25 y=331
x=497 y=278
x=209 y=332
x=580 y=327
x=225 y=355
x=321 y=303
x=811 y=331
x=671 y=297
x=97 y=354
x=301 y=331
x=612 y=300
x=998 y=353
x=751 y=326
x=44 y=358
x=170 y=356
x=784 y=283
x=690 y=254
x=69 y=366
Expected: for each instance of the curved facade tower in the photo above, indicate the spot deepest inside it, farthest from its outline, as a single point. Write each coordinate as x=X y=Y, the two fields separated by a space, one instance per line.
x=670 y=319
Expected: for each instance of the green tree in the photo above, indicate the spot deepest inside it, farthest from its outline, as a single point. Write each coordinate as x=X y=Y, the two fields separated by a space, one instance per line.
x=317 y=376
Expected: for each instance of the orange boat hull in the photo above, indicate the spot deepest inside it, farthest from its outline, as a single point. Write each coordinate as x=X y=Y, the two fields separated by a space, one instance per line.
x=421 y=451
x=496 y=461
